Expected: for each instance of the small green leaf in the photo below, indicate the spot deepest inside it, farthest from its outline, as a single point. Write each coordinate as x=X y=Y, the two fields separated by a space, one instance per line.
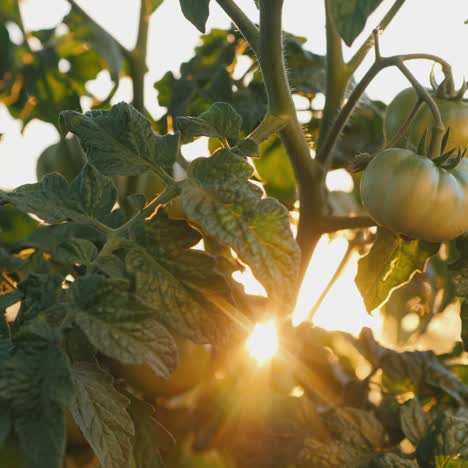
x=120 y=141
x=101 y=413
x=197 y=12
x=81 y=251
x=119 y=327
x=90 y=196
x=390 y=264
x=350 y=16
x=220 y=120
x=414 y=421
x=219 y=197
x=9 y=263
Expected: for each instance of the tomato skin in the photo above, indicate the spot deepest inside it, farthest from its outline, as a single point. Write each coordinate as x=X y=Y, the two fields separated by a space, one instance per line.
x=408 y=194
x=65 y=157
x=454 y=115
x=194 y=367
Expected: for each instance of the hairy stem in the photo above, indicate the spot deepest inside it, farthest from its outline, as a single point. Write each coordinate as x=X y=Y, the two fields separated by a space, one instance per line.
x=308 y=173
x=243 y=23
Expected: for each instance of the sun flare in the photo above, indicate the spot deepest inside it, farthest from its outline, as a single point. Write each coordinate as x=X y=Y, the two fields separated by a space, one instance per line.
x=263 y=344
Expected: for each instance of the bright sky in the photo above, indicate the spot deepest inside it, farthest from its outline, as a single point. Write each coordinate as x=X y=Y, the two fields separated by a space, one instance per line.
x=421 y=26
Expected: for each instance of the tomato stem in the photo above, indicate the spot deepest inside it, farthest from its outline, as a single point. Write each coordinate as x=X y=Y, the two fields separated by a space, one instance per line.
x=242 y=21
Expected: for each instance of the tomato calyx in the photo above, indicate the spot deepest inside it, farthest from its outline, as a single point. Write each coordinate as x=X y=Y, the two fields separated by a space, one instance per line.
x=446 y=89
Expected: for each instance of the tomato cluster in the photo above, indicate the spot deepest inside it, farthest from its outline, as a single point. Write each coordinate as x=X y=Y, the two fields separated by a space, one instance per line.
x=409 y=193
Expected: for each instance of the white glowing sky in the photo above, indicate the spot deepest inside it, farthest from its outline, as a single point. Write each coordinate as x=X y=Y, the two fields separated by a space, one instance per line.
x=422 y=25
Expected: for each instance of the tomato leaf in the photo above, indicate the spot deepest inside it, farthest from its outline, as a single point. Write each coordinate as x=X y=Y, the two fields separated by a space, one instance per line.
x=220 y=120
x=357 y=435
x=80 y=251
x=90 y=196
x=446 y=445
x=120 y=141
x=219 y=197
x=197 y=12
x=391 y=263
x=419 y=372
x=149 y=435
x=178 y=283
x=414 y=421
x=350 y=17
x=120 y=328
x=101 y=413
x=36 y=383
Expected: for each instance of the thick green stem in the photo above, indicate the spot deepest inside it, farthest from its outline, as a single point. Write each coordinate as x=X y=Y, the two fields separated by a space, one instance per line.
x=308 y=173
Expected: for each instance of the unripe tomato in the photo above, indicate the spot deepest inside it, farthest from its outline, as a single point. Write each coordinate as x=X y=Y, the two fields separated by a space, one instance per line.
x=65 y=157
x=194 y=367
x=409 y=194
x=454 y=115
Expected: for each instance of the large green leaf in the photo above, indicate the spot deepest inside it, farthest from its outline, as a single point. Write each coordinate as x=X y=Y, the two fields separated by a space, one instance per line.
x=196 y=11
x=101 y=413
x=390 y=264
x=219 y=197
x=446 y=445
x=180 y=284
x=357 y=436
x=90 y=196
x=350 y=16
x=119 y=327
x=36 y=383
x=120 y=141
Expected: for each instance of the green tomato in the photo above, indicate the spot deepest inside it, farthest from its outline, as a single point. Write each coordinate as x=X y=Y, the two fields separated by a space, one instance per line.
x=454 y=115
x=65 y=157
x=408 y=194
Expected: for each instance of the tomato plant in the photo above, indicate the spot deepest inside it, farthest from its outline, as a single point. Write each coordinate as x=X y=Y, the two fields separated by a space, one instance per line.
x=127 y=339
x=454 y=115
